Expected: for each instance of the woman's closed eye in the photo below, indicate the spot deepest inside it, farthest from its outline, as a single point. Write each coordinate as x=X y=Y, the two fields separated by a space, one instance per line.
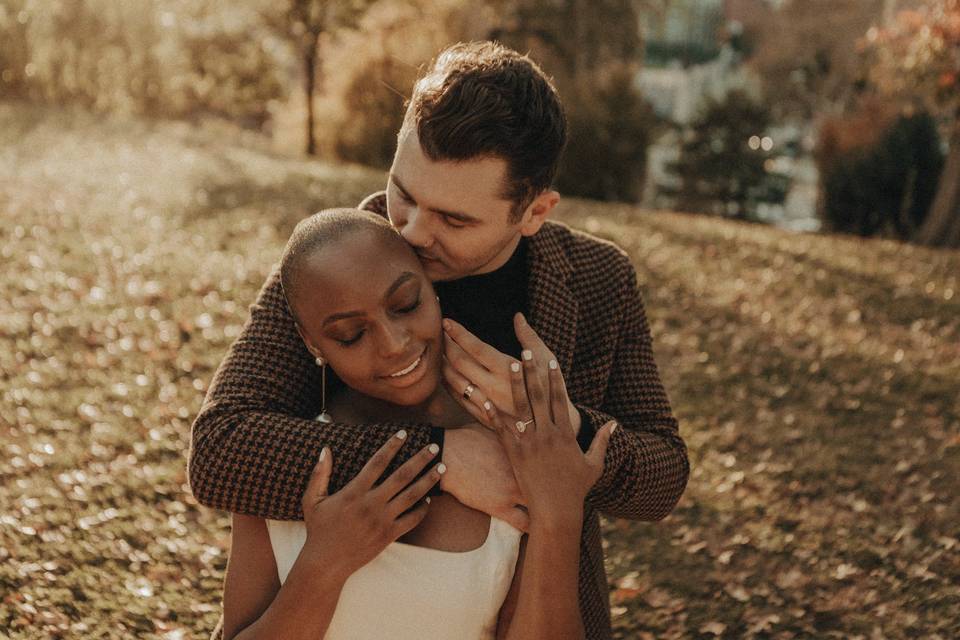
x=348 y=341
x=410 y=308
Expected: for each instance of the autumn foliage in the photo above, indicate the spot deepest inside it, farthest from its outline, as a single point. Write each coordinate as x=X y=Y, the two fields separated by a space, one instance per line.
x=814 y=377
x=917 y=58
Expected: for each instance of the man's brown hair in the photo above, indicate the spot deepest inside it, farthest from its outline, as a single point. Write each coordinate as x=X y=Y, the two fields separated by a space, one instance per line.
x=481 y=99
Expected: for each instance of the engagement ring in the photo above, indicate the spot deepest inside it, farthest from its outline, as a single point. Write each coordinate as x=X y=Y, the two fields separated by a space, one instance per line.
x=522 y=425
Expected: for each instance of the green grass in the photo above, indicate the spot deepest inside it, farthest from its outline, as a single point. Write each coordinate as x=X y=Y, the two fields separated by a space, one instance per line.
x=815 y=378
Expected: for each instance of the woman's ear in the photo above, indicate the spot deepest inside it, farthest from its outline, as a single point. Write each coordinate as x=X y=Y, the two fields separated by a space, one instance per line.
x=314 y=351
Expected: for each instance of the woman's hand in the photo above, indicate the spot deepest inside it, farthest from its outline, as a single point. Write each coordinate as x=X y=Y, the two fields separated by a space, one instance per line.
x=348 y=529
x=470 y=363
x=554 y=475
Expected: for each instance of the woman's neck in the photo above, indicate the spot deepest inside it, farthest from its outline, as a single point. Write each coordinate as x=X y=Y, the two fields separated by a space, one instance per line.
x=440 y=409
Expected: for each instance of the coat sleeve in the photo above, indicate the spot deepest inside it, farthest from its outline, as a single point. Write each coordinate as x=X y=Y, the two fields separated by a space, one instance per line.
x=254 y=442
x=646 y=466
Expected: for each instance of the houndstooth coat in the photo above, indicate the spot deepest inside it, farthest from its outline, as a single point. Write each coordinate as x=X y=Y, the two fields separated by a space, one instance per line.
x=254 y=442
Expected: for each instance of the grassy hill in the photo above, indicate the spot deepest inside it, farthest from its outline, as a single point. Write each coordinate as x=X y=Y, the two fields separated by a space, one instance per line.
x=815 y=378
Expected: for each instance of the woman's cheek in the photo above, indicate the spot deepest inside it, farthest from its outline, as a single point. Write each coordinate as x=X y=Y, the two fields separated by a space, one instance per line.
x=351 y=369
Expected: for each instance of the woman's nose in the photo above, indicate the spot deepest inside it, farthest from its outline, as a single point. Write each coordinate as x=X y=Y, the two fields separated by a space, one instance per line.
x=394 y=339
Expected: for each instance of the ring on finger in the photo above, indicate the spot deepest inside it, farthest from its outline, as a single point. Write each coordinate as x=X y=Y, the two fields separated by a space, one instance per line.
x=468 y=391
x=523 y=424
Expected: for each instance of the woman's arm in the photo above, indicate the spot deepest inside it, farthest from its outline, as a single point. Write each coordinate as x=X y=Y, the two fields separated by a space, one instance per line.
x=254 y=603
x=548 y=605
x=543 y=600
x=554 y=476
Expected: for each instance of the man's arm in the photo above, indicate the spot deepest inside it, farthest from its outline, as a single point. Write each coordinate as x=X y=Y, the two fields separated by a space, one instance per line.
x=646 y=466
x=254 y=442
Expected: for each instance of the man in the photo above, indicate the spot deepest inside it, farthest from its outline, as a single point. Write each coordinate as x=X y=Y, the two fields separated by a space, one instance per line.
x=469 y=189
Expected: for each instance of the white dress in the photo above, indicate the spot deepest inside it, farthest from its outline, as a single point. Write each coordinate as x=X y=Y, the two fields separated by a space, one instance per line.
x=415 y=593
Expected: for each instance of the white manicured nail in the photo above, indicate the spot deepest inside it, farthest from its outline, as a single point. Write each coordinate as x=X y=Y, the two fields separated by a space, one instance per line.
x=527 y=354
x=487 y=405
x=402 y=434
x=515 y=367
x=552 y=364
x=434 y=448
x=427 y=499
x=441 y=468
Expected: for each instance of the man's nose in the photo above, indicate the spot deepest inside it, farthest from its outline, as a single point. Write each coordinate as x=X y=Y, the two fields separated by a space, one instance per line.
x=415 y=230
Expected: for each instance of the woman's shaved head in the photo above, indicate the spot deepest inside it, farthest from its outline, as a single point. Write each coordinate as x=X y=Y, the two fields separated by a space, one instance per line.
x=312 y=234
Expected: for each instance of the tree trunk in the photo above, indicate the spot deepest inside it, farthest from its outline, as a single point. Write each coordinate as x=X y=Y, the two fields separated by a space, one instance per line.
x=942 y=225
x=310 y=72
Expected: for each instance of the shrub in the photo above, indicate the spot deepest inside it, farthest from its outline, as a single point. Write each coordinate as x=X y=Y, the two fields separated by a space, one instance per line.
x=881 y=183
x=610 y=128
x=140 y=56
x=368 y=73
x=718 y=171
x=373 y=106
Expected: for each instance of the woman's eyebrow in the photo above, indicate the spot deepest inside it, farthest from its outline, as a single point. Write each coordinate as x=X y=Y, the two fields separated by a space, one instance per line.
x=406 y=275
x=401 y=279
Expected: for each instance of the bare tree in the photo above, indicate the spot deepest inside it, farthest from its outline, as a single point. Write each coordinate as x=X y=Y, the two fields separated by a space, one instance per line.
x=302 y=24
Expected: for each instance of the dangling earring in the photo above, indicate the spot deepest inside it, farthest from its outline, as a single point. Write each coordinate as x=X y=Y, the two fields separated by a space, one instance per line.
x=324 y=416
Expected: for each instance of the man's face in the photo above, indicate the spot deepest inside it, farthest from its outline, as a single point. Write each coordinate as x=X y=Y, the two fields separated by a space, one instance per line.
x=452 y=213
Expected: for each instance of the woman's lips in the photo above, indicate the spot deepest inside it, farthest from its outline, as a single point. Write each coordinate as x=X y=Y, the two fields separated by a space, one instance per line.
x=411 y=373
x=408 y=369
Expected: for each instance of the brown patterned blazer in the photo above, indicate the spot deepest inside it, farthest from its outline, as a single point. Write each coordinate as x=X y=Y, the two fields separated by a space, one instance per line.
x=254 y=442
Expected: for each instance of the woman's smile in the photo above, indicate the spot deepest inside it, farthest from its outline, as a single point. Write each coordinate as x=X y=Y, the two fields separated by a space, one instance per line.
x=410 y=374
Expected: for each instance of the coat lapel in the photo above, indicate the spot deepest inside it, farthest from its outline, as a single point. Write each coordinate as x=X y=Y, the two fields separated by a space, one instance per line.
x=552 y=308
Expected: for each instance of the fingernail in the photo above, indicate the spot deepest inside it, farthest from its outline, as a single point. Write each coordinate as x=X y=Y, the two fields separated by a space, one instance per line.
x=523 y=319
x=441 y=468
x=552 y=364
x=515 y=367
x=613 y=428
x=434 y=448
x=427 y=499
x=527 y=354
x=402 y=434
x=446 y=324
x=487 y=405
x=323 y=454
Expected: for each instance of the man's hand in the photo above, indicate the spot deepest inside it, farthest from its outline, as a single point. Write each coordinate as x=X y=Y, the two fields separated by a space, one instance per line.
x=468 y=360
x=480 y=476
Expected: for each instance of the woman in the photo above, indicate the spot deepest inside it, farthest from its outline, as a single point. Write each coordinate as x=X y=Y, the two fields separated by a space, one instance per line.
x=372 y=561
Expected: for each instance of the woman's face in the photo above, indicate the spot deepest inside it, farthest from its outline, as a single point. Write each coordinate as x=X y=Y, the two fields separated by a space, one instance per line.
x=370 y=311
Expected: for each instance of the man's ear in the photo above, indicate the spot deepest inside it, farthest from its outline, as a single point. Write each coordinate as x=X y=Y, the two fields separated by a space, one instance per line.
x=537 y=213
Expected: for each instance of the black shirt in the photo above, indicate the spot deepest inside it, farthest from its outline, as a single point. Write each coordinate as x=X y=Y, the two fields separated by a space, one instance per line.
x=485 y=304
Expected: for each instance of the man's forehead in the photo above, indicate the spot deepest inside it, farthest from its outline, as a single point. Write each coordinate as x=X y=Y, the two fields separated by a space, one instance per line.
x=474 y=186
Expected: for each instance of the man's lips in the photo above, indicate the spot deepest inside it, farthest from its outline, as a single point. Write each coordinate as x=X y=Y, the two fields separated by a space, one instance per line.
x=426 y=258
